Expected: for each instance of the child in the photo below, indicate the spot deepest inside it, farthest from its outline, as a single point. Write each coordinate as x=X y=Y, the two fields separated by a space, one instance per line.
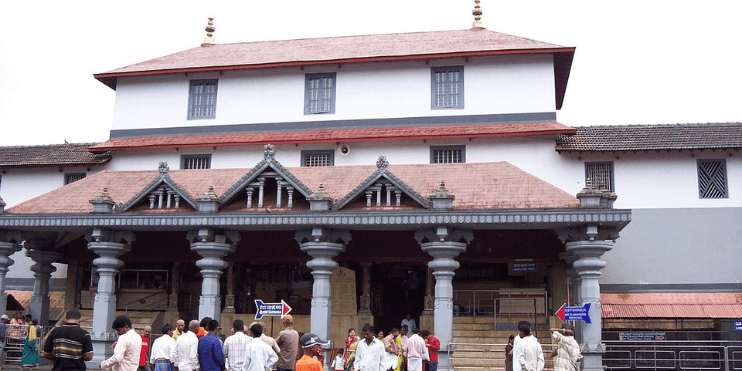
x=338 y=362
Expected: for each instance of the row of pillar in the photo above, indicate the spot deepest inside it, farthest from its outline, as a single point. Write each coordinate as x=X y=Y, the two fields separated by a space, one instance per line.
x=443 y=244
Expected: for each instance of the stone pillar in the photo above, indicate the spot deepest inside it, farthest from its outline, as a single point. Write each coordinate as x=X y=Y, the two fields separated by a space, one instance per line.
x=108 y=245
x=574 y=287
x=213 y=246
x=443 y=244
x=10 y=243
x=366 y=290
x=229 y=300
x=40 y=250
x=322 y=245
x=588 y=265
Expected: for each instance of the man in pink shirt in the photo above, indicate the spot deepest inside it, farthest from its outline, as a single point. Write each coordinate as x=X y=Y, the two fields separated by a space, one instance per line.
x=128 y=347
x=414 y=349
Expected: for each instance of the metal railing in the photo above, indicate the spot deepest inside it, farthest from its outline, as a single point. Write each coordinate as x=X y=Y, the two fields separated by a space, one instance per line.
x=15 y=337
x=644 y=356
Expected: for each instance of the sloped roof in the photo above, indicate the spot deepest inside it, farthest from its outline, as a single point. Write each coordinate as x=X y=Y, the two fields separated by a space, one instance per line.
x=652 y=137
x=672 y=305
x=476 y=186
x=349 y=49
x=51 y=155
x=335 y=135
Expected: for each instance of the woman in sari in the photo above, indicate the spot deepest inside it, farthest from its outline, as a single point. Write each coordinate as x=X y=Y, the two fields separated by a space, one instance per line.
x=351 y=342
x=30 y=355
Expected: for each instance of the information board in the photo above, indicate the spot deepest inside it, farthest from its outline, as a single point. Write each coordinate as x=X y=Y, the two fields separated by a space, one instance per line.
x=343 y=291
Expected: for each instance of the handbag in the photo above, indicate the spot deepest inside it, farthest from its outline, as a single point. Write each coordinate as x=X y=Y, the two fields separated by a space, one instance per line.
x=426 y=354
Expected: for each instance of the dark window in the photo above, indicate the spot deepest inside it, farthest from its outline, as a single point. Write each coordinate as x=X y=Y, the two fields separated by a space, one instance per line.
x=73 y=177
x=202 y=99
x=600 y=173
x=195 y=162
x=447 y=154
x=318 y=158
x=447 y=87
x=712 y=179
x=319 y=93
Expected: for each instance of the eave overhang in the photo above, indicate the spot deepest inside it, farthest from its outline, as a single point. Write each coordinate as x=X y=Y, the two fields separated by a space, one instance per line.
x=615 y=219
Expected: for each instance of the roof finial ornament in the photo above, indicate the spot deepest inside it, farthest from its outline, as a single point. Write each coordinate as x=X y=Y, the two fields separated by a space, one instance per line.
x=163 y=168
x=270 y=151
x=209 y=40
x=382 y=163
x=477 y=12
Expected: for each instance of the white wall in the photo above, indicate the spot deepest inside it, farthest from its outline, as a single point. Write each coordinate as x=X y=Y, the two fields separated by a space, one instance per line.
x=492 y=85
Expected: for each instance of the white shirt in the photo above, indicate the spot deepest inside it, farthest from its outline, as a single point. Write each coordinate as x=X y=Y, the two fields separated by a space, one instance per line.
x=126 y=353
x=234 y=350
x=185 y=352
x=530 y=354
x=259 y=356
x=270 y=341
x=162 y=347
x=368 y=357
x=516 y=363
x=411 y=325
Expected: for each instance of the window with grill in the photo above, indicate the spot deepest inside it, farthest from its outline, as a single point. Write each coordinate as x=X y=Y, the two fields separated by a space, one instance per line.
x=712 y=179
x=202 y=99
x=319 y=93
x=447 y=87
x=73 y=177
x=318 y=158
x=600 y=173
x=447 y=154
x=195 y=162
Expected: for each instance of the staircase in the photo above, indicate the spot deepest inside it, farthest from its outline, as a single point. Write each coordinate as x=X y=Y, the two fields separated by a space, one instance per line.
x=479 y=343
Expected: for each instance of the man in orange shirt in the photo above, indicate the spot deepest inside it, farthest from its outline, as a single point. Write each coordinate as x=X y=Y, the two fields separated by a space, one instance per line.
x=312 y=346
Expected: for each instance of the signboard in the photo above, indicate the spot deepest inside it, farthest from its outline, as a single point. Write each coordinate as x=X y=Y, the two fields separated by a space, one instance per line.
x=641 y=336
x=524 y=266
x=271 y=309
x=738 y=326
x=582 y=313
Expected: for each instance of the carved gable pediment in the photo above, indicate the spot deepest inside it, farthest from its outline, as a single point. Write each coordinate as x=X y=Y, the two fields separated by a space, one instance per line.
x=162 y=193
x=268 y=184
x=382 y=189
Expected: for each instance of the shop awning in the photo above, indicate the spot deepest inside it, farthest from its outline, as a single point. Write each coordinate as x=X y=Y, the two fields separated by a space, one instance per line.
x=672 y=305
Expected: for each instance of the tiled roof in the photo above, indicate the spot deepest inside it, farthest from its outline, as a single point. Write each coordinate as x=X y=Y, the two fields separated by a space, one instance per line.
x=476 y=186
x=672 y=305
x=51 y=155
x=652 y=137
x=349 y=49
x=335 y=135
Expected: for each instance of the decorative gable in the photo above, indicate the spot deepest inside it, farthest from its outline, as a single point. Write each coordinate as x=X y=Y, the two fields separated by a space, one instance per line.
x=382 y=189
x=163 y=193
x=268 y=184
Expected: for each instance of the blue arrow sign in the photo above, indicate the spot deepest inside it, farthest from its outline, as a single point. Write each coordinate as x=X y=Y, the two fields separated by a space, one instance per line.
x=738 y=326
x=271 y=309
x=582 y=313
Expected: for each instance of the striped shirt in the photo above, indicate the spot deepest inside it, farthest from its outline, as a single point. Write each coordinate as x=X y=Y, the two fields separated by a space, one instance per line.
x=68 y=345
x=234 y=349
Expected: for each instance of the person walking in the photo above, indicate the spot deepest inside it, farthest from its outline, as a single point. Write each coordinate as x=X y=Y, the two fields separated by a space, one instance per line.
x=162 y=350
x=30 y=353
x=185 y=353
x=143 y=360
x=370 y=351
x=516 y=340
x=390 y=360
x=210 y=356
x=415 y=350
x=259 y=356
x=128 y=347
x=530 y=353
x=311 y=345
x=288 y=343
x=69 y=346
x=235 y=346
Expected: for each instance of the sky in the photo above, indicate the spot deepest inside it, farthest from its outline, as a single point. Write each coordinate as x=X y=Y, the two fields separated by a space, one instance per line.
x=636 y=62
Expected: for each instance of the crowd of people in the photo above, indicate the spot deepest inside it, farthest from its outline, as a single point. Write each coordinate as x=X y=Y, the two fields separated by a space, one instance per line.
x=22 y=334
x=393 y=352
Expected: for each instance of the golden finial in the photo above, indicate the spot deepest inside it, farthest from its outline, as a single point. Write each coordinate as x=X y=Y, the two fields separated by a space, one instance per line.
x=209 y=40
x=477 y=12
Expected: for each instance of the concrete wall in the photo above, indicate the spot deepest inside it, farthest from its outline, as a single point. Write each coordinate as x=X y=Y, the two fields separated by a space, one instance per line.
x=492 y=85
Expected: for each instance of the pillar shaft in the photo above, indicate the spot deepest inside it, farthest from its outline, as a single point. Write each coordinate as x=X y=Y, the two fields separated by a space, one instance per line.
x=42 y=269
x=588 y=266
x=8 y=247
x=213 y=248
x=108 y=245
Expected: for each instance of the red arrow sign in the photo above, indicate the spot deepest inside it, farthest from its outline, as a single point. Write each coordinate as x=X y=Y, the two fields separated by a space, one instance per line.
x=560 y=312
